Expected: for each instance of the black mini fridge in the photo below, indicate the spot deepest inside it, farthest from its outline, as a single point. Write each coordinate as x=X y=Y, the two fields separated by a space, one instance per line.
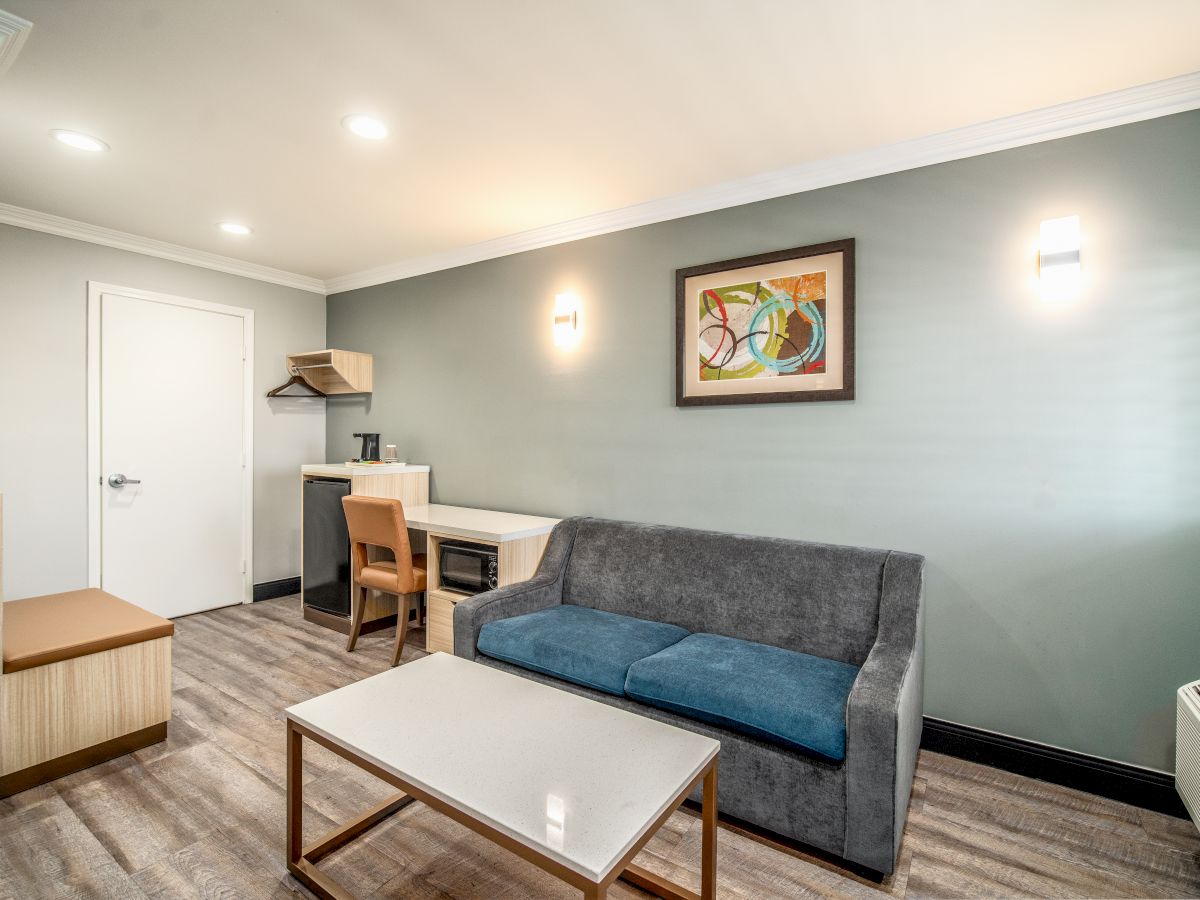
x=326 y=546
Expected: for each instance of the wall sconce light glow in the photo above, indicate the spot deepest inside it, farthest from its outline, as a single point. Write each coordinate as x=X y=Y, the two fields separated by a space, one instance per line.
x=79 y=141
x=566 y=320
x=365 y=127
x=1059 y=268
x=236 y=228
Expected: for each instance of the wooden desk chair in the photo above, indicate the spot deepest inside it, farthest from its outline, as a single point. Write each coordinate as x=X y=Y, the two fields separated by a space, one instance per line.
x=379 y=522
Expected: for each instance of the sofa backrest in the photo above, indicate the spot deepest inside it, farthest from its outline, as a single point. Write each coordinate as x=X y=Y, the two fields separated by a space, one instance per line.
x=815 y=598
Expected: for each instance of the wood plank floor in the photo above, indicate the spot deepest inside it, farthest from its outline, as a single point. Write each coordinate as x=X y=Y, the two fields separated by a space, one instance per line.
x=202 y=814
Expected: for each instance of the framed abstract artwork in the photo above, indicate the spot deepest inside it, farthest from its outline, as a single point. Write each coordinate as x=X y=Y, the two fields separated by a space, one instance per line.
x=772 y=328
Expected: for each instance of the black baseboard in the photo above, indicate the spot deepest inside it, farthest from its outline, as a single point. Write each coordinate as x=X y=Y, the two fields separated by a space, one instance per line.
x=1145 y=788
x=269 y=590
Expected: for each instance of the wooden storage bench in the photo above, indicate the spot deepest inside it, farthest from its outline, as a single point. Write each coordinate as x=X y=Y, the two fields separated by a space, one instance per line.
x=86 y=678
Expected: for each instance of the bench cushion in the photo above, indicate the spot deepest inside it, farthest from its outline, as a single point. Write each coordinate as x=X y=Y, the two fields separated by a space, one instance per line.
x=586 y=646
x=43 y=630
x=782 y=696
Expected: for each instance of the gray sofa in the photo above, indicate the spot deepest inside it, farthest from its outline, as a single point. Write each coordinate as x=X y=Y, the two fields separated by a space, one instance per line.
x=830 y=605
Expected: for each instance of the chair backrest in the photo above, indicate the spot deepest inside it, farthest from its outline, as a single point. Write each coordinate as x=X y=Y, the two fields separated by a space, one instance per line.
x=378 y=522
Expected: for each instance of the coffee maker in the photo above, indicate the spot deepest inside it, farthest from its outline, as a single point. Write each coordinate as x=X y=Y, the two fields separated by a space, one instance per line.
x=370 y=446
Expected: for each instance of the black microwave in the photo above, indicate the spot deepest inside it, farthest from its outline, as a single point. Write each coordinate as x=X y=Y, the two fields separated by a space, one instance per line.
x=468 y=567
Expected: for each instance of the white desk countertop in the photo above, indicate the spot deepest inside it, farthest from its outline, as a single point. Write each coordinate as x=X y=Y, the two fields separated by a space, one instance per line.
x=481 y=524
x=345 y=470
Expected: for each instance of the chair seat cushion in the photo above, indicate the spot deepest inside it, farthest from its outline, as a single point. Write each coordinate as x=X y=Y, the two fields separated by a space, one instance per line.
x=788 y=698
x=382 y=575
x=43 y=630
x=578 y=644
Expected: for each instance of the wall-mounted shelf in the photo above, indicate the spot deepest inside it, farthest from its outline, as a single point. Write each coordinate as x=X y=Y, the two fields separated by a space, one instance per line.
x=335 y=371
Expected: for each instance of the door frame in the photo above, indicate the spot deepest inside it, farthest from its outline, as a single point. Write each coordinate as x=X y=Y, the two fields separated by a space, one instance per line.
x=94 y=487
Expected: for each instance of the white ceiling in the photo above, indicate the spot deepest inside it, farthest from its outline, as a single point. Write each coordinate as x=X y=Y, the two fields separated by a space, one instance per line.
x=508 y=116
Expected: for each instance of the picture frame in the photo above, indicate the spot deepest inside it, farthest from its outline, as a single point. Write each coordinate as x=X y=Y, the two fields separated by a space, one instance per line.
x=776 y=327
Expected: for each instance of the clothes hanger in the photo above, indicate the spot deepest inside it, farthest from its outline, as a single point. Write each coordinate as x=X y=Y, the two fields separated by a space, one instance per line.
x=296 y=379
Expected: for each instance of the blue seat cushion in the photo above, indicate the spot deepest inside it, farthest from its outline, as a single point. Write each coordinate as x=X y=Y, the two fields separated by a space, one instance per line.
x=789 y=698
x=587 y=646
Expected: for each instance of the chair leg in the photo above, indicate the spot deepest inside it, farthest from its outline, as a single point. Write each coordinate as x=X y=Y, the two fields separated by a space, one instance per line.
x=358 y=600
x=401 y=627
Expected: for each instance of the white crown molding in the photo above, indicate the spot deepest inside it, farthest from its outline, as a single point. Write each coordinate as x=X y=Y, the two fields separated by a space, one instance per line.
x=95 y=234
x=13 y=31
x=1159 y=98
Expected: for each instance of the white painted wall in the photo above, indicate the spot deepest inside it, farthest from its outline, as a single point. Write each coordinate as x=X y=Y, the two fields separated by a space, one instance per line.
x=43 y=402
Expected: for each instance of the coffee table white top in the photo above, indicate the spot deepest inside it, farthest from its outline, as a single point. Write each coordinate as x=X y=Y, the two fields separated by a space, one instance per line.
x=568 y=777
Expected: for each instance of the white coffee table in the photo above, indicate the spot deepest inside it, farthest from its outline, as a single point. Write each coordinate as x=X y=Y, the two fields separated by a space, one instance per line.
x=572 y=785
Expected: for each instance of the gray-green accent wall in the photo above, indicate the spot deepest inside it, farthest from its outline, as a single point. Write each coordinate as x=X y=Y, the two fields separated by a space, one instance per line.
x=1044 y=458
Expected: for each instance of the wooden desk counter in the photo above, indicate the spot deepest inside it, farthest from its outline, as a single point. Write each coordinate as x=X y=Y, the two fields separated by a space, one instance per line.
x=519 y=541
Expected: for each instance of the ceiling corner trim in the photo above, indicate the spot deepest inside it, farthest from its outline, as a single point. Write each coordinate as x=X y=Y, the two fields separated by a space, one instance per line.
x=1135 y=104
x=13 y=32
x=121 y=240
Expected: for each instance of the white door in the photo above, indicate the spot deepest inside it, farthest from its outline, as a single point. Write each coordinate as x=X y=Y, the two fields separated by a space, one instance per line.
x=172 y=423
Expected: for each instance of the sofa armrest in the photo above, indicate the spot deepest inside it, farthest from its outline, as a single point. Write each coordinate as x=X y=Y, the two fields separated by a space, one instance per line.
x=503 y=603
x=540 y=592
x=883 y=719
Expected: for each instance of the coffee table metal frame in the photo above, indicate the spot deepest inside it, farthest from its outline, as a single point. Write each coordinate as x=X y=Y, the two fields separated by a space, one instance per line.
x=302 y=861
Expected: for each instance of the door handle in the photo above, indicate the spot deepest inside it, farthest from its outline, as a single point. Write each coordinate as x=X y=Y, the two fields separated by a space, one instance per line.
x=120 y=480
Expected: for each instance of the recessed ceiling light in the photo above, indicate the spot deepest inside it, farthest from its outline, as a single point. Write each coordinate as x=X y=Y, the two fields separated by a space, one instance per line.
x=79 y=141
x=235 y=228
x=366 y=127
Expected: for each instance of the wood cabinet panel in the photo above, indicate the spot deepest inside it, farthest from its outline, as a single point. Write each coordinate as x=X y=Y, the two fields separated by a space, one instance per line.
x=56 y=709
x=439 y=622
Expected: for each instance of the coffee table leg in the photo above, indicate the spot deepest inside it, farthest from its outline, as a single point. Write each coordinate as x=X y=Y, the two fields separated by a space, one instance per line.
x=708 y=856
x=295 y=795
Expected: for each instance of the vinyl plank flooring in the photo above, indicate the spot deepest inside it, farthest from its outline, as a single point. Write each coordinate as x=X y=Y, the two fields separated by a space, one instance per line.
x=253 y=738
x=210 y=868
x=1167 y=831
x=46 y=851
x=136 y=818
x=202 y=813
x=971 y=861
x=180 y=735
x=1113 y=845
x=747 y=867
x=237 y=728
x=254 y=682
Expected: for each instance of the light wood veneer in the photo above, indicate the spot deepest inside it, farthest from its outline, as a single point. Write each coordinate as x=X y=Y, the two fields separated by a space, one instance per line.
x=517 y=561
x=67 y=708
x=342 y=372
x=50 y=711
x=439 y=623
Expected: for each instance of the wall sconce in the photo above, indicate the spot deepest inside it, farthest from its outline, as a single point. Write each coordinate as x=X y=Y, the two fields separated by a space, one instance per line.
x=566 y=320
x=1058 y=258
